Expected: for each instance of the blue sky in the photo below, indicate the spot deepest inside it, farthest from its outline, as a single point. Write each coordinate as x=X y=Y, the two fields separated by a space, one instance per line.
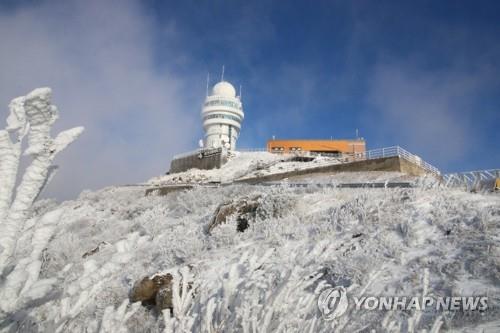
x=423 y=75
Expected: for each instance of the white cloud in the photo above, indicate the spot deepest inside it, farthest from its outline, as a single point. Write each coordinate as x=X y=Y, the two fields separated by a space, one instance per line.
x=98 y=56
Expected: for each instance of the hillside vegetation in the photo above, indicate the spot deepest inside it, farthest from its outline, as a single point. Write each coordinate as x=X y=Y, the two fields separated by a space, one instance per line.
x=267 y=278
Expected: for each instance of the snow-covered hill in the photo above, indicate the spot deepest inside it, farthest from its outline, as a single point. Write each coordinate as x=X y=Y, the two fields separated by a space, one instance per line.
x=266 y=279
x=243 y=164
x=234 y=258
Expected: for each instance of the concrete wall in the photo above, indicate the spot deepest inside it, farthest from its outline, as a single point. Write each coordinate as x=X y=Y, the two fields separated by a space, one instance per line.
x=411 y=168
x=212 y=159
x=380 y=164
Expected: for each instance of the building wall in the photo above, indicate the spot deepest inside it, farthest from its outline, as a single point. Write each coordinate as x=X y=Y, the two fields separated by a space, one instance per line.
x=394 y=163
x=342 y=146
x=206 y=159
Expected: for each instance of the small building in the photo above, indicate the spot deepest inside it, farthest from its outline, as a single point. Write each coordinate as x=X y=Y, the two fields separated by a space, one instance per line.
x=317 y=146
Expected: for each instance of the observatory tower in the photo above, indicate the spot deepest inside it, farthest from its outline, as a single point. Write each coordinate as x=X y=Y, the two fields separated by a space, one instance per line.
x=222 y=115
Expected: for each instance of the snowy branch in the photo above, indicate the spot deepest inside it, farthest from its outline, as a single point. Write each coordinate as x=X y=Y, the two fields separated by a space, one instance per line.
x=31 y=115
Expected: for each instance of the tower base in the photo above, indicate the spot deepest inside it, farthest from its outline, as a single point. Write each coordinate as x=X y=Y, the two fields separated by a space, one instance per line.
x=204 y=159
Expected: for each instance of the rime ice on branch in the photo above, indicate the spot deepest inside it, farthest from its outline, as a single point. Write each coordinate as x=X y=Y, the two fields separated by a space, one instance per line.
x=31 y=115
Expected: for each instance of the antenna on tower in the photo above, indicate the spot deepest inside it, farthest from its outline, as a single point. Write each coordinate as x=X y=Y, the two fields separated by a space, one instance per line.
x=222 y=76
x=240 y=91
x=208 y=81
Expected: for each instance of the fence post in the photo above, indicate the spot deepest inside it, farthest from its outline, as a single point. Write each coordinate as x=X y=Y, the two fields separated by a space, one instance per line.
x=465 y=182
x=476 y=182
x=447 y=180
x=383 y=152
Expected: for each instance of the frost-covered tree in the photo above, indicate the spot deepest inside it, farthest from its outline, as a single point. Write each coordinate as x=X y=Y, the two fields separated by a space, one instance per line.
x=32 y=116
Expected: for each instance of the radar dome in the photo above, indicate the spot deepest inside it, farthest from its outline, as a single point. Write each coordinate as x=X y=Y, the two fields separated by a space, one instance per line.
x=224 y=89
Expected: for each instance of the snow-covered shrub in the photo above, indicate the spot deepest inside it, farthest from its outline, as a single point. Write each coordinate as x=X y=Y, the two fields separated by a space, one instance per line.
x=21 y=249
x=268 y=277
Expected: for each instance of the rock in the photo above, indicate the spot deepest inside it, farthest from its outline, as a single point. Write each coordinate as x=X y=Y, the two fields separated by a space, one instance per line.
x=222 y=212
x=143 y=290
x=95 y=250
x=164 y=296
x=163 y=299
x=146 y=289
x=156 y=291
x=241 y=224
x=245 y=208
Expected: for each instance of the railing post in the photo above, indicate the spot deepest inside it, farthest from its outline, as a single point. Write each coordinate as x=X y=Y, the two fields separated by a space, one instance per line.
x=383 y=152
x=476 y=181
x=465 y=182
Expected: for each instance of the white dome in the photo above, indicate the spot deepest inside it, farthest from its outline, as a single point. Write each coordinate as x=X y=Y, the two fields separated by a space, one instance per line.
x=224 y=89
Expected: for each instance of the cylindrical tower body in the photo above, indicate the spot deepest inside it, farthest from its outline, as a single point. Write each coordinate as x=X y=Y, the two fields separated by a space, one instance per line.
x=222 y=115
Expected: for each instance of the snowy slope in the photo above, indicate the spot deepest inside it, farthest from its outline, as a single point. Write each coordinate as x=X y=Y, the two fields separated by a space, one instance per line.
x=267 y=279
x=242 y=164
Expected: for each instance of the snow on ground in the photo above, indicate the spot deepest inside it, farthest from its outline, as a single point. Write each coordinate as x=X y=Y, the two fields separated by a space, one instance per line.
x=267 y=279
x=242 y=164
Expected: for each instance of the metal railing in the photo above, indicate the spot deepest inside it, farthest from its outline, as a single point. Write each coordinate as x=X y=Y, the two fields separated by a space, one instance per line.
x=336 y=158
x=470 y=179
x=351 y=157
x=398 y=151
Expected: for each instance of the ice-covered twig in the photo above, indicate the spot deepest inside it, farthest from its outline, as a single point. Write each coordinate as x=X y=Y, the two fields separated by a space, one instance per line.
x=10 y=153
x=33 y=114
x=22 y=284
x=114 y=320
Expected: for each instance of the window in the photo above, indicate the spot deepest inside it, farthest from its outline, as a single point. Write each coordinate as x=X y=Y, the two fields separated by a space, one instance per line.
x=224 y=103
x=223 y=116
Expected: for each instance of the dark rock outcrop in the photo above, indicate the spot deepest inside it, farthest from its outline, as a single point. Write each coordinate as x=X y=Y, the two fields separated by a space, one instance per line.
x=163 y=298
x=146 y=290
x=244 y=209
x=156 y=292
